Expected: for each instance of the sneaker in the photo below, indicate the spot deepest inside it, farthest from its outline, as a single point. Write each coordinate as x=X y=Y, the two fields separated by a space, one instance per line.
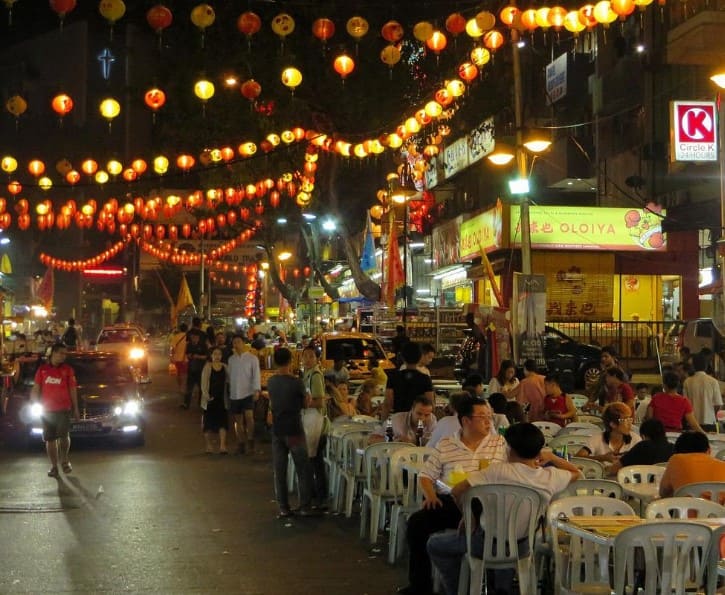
x=53 y=472
x=67 y=467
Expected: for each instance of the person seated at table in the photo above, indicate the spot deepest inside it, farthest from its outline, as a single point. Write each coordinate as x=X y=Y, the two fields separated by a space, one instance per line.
x=642 y=398
x=474 y=385
x=523 y=468
x=472 y=447
x=448 y=425
x=691 y=463
x=671 y=408
x=338 y=399
x=558 y=407
x=617 y=437
x=505 y=381
x=652 y=449
x=601 y=393
x=405 y=423
x=364 y=402
x=498 y=404
x=377 y=373
x=515 y=413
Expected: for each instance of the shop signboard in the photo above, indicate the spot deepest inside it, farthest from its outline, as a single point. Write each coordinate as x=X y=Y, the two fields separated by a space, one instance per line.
x=482 y=233
x=432 y=172
x=556 y=79
x=455 y=157
x=529 y=317
x=693 y=131
x=445 y=244
x=592 y=228
x=481 y=141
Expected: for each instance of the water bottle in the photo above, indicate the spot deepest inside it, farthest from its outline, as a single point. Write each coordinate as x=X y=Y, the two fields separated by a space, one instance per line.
x=565 y=453
x=389 y=429
x=419 y=433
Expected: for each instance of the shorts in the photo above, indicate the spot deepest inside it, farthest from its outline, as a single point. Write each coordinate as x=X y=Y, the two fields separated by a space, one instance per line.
x=238 y=406
x=56 y=424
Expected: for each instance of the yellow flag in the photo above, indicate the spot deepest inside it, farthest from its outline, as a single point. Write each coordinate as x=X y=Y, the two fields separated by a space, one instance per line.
x=5 y=267
x=184 y=300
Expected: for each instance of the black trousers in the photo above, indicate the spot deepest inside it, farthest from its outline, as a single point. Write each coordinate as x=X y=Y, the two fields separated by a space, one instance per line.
x=421 y=525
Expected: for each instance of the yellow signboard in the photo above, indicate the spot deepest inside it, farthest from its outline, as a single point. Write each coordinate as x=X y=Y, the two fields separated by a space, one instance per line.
x=592 y=228
x=482 y=232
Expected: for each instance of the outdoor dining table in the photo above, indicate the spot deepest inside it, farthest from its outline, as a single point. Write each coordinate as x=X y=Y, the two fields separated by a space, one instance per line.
x=644 y=493
x=603 y=530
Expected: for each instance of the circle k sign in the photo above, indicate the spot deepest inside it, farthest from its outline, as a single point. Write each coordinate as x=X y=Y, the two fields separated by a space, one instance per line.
x=693 y=127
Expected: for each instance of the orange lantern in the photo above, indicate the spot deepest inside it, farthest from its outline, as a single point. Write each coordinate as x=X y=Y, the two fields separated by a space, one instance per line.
x=24 y=221
x=508 y=15
x=556 y=17
x=437 y=42
x=623 y=8
x=36 y=168
x=528 y=20
x=72 y=177
x=185 y=162
x=15 y=188
x=344 y=65
x=186 y=230
x=468 y=72
x=62 y=104
x=493 y=40
x=139 y=166
x=155 y=99
x=390 y=55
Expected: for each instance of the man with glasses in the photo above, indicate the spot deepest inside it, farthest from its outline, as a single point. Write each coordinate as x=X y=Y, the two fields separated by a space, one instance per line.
x=472 y=448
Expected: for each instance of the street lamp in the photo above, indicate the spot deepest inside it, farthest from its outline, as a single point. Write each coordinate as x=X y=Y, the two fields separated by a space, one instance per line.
x=401 y=190
x=719 y=79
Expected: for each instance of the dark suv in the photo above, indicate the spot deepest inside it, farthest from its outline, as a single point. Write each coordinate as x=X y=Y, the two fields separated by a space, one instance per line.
x=109 y=401
x=576 y=363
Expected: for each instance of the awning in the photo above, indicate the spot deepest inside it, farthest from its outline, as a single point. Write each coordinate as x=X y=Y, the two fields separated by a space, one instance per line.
x=713 y=288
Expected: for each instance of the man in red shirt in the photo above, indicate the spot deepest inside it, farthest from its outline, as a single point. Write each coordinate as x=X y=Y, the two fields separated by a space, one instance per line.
x=55 y=388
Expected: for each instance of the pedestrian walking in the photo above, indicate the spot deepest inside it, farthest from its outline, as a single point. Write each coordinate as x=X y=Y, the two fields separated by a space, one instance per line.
x=55 y=388
x=288 y=397
x=196 y=356
x=213 y=390
x=71 y=337
x=245 y=385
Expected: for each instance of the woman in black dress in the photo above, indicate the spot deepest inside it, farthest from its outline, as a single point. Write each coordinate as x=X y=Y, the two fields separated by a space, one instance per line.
x=214 y=379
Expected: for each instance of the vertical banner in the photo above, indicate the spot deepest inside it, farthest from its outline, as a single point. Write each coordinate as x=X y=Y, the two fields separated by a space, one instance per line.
x=529 y=317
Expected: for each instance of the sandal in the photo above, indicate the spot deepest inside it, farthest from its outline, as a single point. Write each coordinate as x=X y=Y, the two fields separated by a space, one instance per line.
x=53 y=472
x=67 y=467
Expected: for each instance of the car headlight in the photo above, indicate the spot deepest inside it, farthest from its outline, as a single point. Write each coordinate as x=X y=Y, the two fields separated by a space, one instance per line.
x=137 y=353
x=36 y=411
x=131 y=408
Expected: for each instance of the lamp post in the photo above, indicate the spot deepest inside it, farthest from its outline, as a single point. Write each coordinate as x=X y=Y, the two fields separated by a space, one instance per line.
x=719 y=79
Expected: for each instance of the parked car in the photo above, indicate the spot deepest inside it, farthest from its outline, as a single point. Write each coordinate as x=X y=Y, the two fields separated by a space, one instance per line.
x=109 y=400
x=130 y=342
x=578 y=364
x=697 y=334
x=356 y=349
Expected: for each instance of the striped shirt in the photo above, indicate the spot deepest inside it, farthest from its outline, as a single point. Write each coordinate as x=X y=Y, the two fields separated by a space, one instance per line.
x=451 y=453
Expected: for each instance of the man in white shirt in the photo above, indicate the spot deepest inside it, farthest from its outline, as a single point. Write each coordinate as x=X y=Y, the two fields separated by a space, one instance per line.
x=704 y=392
x=525 y=441
x=466 y=451
x=405 y=423
x=244 y=388
x=448 y=425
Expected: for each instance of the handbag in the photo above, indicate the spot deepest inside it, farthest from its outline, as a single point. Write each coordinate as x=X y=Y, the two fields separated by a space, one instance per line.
x=313 y=423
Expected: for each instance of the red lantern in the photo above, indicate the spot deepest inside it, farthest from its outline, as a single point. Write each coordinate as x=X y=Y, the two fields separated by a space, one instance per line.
x=227 y=154
x=160 y=232
x=159 y=18
x=72 y=177
x=15 y=188
x=185 y=162
x=323 y=29
x=232 y=217
x=467 y=71
x=139 y=166
x=173 y=233
x=249 y=23
x=3 y=205
x=274 y=199
x=437 y=42
x=221 y=220
x=62 y=7
x=250 y=89
x=244 y=213
x=493 y=40
x=155 y=99
x=443 y=97
x=456 y=24
x=24 y=221
x=392 y=32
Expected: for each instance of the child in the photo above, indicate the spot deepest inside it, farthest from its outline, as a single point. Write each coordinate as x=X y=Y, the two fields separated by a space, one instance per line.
x=643 y=397
x=558 y=407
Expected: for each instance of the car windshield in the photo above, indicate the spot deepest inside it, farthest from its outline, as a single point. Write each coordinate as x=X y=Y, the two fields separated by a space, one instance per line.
x=119 y=336
x=105 y=370
x=352 y=348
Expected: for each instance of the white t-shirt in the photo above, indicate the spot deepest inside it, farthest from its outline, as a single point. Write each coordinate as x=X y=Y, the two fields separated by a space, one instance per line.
x=446 y=426
x=704 y=393
x=597 y=446
x=547 y=481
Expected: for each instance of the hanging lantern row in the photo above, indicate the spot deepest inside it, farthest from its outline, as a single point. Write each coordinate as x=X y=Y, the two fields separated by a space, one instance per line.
x=79 y=265
x=160 y=164
x=166 y=252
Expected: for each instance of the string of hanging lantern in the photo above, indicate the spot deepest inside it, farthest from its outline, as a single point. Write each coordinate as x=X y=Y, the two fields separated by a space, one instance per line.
x=79 y=265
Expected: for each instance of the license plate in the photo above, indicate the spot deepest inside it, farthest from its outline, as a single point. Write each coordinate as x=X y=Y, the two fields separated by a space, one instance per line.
x=85 y=426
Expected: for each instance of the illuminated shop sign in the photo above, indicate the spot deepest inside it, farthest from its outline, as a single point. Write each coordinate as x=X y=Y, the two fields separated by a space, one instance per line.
x=481 y=233
x=693 y=131
x=592 y=228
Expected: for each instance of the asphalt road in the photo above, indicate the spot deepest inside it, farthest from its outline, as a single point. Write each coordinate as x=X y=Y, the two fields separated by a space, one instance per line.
x=166 y=518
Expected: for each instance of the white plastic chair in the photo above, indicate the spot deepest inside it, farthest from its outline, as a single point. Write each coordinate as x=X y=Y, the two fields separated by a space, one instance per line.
x=674 y=553
x=709 y=490
x=715 y=565
x=378 y=491
x=593 y=487
x=582 y=566
x=720 y=454
x=590 y=468
x=683 y=507
x=411 y=496
x=351 y=472
x=581 y=427
x=592 y=419
x=640 y=474
x=548 y=427
x=510 y=513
